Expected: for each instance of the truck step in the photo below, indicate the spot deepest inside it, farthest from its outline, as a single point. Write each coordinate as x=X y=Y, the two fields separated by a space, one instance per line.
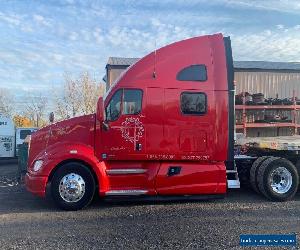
x=233 y=184
x=234 y=171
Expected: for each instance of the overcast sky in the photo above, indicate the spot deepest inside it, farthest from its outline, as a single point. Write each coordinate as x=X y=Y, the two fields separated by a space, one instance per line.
x=40 y=40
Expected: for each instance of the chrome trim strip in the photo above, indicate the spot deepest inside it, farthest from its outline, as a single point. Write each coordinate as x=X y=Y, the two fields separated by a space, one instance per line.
x=126 y=192
x=125 y=171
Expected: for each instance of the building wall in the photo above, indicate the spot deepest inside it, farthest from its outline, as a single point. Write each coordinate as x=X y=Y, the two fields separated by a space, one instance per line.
x=113 y=74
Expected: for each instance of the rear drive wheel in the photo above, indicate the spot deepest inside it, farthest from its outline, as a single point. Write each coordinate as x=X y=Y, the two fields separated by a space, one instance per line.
x=73 y=186
x=254 y=171
x=278 y=179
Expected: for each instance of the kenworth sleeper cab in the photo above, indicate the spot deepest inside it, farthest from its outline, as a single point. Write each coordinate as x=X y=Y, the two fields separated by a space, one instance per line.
x=164 y=130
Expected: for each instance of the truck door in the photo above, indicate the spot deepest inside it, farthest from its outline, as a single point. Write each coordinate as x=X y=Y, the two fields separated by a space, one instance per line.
x=123 y=134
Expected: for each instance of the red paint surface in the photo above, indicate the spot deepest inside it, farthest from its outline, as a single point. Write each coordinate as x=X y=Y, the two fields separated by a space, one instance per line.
x=36 y=184
x=196 y=143
x=194 y=178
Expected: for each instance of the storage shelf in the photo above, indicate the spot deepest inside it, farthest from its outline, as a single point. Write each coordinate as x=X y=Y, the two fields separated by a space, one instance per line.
x=266 y=125
x=288 y=107
x=293 y=108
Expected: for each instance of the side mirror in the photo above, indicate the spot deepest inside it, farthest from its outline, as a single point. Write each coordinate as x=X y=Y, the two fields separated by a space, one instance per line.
x=100 y=110
x=51 y=117
x=100 y=114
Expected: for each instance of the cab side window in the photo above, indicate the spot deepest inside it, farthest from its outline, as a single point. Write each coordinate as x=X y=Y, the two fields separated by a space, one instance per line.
x=193 y=103
x=112 y=110
x=132 y=102
x=127 y=100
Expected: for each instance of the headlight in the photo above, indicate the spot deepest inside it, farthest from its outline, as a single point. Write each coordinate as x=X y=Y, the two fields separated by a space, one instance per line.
x=37 y=165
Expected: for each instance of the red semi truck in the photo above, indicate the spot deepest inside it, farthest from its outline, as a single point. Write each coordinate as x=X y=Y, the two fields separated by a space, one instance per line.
x=164 y=130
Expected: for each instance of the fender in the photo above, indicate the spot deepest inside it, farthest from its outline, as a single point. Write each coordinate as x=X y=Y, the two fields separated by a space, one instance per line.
x=61 y=152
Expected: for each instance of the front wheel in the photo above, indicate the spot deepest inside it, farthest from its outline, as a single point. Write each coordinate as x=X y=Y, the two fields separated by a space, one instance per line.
x=73 y=186
x=278 y=179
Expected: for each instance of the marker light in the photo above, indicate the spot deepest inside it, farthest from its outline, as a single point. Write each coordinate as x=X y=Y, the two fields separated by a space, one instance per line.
x=37 y=165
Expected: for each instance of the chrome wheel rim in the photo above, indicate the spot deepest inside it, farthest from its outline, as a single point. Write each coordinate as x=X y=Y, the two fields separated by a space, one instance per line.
x=71 y=187
x=281 y=180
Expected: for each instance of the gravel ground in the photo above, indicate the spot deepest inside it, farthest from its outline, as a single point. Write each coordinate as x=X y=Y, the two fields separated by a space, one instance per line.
x=28 y=222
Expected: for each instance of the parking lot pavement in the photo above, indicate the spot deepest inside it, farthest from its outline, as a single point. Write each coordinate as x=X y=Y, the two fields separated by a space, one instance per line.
x=28 y=222
x=8 y=173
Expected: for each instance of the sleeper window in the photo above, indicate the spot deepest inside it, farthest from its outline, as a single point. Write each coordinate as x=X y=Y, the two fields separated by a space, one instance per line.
x=132 y=101
x=193 y=103
x=197 y=72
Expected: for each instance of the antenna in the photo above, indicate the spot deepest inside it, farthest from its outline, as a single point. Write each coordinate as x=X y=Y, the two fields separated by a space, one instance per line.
x=154 y=68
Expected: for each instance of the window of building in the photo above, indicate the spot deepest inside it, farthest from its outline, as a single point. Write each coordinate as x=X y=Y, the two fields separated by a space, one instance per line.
x=132 y=102
x=112 y=110
x=193 y=103
x=197 y=72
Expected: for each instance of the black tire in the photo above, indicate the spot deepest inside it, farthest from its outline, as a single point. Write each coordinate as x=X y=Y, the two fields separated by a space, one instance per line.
x=90 y=186
x=298 y=169
x=264 y=185
x=254 y=171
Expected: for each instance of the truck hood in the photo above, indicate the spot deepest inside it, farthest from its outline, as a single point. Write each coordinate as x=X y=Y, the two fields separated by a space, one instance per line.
x=75 y=130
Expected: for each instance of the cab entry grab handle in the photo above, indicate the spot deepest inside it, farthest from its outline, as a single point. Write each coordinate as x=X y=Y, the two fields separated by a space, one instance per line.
x=138 y=147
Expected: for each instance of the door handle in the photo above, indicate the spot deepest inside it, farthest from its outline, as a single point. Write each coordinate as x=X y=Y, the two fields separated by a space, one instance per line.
x=174 y=170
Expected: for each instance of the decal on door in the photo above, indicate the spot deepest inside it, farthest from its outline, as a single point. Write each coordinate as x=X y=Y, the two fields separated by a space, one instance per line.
x=195 y=157
x=160 y=156
x=132 y=130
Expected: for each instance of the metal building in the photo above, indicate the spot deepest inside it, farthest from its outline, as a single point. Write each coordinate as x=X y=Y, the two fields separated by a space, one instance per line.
x=275 y=80
x=271 y=78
